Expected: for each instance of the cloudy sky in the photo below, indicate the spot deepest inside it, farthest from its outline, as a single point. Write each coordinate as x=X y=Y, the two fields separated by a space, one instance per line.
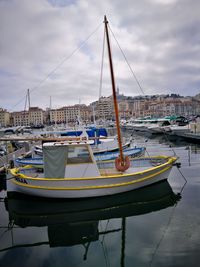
x=54 y=48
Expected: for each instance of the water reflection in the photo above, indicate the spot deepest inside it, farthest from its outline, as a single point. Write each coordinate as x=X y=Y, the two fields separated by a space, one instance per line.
x=3 y=180
x=72 y=222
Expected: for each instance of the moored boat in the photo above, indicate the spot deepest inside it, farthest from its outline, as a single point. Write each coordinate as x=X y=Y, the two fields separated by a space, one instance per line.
x=70 y=171
x=99 y=145
x=38 y=162
x=73 y=222
x=29 y=210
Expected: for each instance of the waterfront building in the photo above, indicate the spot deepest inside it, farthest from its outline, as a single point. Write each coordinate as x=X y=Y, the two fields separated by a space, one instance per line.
x=165 y=106
x=36 y=116
x=70 y=114
x=129 y=107
x=4 y=118
x=20 y=118
x=105 y=108
x=140 y=107
x=32 y=117
x=124 y=109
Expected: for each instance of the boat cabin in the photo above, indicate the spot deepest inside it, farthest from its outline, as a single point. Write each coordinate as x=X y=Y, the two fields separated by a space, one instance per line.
x=69 y=160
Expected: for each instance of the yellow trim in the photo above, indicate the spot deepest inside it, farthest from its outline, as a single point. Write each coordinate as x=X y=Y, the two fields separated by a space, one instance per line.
x=93 y=186
x=15 y=171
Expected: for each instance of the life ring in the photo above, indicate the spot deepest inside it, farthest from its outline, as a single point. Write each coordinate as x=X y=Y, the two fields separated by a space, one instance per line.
x=122 y=165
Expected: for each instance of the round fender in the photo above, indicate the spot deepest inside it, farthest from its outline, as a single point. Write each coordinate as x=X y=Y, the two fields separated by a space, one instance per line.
x=122 y=166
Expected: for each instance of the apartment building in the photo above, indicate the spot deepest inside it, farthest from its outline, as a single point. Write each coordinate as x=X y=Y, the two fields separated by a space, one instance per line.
x=34 y=116
x=105 y=108
x=4 y=118
x=70 y=114
x=154 y=106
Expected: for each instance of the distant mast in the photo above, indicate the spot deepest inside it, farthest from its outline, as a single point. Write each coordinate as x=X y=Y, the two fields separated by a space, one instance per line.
x=50 y=104
x=29 y=99
x=122 y=163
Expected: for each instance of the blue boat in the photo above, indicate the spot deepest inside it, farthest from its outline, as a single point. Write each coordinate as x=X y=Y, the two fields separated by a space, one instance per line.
x=38 y=161
x=131 y=152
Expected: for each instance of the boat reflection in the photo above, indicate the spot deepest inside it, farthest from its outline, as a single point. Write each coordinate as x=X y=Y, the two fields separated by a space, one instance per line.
x=72 y=222
x=36 y=211
x=2 y=179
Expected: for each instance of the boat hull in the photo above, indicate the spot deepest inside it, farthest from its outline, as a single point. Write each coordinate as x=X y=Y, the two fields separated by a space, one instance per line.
x=103 y=185
x=32 y=211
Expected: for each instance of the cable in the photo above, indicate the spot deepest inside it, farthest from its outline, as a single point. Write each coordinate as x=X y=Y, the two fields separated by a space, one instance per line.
x=60 y=64
x=183 y=177
x=127 y=63
x=102 y=61
x=164 y=233
x=165 y=135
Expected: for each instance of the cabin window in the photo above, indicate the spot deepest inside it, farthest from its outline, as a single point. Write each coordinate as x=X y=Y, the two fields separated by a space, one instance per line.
x=78 y=154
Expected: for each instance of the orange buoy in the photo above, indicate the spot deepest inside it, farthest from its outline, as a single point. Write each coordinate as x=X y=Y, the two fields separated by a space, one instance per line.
x=122 y=165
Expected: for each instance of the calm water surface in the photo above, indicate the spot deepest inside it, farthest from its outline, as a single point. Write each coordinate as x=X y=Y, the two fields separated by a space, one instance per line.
x=157 y=226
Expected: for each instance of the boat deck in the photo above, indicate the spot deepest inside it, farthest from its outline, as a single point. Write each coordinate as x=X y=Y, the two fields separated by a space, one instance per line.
x=113 y=171
x=103 y=172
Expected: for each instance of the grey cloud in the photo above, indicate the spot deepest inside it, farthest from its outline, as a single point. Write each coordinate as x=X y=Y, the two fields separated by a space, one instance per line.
x=159 y=38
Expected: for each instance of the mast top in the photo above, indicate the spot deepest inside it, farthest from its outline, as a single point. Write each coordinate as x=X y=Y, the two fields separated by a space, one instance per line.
x=105 y=19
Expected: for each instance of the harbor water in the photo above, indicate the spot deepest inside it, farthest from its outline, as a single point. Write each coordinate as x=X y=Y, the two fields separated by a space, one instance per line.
x=155 y=226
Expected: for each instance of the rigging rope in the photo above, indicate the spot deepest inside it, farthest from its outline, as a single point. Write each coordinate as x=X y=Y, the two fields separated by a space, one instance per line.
x=102 y=61
x=137 y=81
x=101 y=73
x=60 y=64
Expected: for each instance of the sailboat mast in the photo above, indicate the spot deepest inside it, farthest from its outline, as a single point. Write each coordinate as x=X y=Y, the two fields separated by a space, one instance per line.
x=114 y=91
x=29 y=99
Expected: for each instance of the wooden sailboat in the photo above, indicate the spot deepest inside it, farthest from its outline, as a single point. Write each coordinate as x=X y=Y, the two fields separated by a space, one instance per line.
x=73 y=222
x=71 y=171
x=23 y=208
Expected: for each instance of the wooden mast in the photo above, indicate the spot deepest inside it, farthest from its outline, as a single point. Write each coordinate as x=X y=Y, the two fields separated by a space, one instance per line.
x=121 y=157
